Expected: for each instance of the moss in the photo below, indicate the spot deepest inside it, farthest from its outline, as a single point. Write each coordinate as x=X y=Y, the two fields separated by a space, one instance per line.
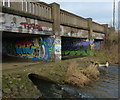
x=18 y=87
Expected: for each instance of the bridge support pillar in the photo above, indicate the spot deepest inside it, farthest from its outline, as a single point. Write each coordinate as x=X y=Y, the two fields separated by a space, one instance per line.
x=58 y=48
x=0 y=5
x=56 y=18
x=56 y=30
x=106 y=32
x=90 y=29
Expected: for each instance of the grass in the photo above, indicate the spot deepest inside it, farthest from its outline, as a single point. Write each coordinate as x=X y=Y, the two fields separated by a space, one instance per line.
x=109 y=52
x=17 y=85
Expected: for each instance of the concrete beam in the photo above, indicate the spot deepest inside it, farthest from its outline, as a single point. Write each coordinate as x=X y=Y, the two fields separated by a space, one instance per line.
x=90 y=28
x=56 y=18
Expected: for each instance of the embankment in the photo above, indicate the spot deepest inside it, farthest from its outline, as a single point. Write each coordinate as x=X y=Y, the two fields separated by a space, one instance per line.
x=76 y=72
x=109 y=52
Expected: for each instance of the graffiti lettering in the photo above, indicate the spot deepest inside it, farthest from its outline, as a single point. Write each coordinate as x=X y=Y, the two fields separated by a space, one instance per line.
x=24 y=43
x=76 y=47
x=42 y=48
x=24 y=50
x=30 y=26
x=37 y=48
x=24 y=47
x=78 y=52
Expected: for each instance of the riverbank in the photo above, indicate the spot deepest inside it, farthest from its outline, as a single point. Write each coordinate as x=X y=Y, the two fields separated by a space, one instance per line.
x=76 y=72
x=109 y=53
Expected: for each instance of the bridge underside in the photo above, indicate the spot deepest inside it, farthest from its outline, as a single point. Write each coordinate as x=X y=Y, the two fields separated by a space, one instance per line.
x=79 y=47
x=37 y=39
x=28 y=45
x=75 y=47
x=46 y=47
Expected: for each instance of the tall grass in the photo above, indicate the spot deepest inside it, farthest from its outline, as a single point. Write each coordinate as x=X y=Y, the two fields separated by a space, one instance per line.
x=109 y=52
x=76 y=76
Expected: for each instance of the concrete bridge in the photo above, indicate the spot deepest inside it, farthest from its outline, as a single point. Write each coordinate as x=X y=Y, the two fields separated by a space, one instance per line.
x=44 y=31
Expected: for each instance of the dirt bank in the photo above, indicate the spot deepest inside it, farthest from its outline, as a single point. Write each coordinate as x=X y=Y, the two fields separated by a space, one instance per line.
x=77 y=72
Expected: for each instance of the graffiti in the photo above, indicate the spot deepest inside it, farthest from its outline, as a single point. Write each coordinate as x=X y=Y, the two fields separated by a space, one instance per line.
x=48 y=44
x=47 y=29
x=98 y=44
x=24 y=47
x=67 y=31
x=72 y=46
x=58 y=49
x=36 y=48
x=24 y=50
x=24 y=25
x=24 y=43
x=31 y=26
x=75 y=45
x=35 y=26
x=13 y=22
x=8 y=27
x=98 y=36
x=79 y=52
x=57 y=41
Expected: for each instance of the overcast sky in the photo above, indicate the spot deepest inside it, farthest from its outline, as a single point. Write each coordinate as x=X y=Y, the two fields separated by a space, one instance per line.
x=100 y=11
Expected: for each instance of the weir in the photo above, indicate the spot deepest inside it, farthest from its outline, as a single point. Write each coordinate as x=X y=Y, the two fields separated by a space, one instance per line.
x=44 y=31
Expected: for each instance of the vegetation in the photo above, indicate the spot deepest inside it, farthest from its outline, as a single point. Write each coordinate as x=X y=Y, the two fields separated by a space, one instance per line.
x=109 y=52
x=17 y=85
x=73 y=72
x=77 y=72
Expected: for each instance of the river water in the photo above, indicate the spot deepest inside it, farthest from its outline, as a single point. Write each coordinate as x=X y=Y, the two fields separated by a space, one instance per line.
x=105 y=87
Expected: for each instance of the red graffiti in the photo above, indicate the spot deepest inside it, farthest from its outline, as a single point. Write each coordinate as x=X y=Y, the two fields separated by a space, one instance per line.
x=24 y=42
x=30 y=26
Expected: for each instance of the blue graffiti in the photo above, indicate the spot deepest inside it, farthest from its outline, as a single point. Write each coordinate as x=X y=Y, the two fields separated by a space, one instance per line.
x=97 y=45
x=47 y=43
x=24 y=50
x=43 y=51
x=76 y=45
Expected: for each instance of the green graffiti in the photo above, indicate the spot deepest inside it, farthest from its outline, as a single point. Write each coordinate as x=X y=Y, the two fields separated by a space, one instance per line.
x=79 y=52
x=67 y=52
x=73 y=53
x=90 y=52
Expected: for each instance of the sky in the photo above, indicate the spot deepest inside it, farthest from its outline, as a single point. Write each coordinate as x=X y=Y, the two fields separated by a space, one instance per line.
x=101 y=11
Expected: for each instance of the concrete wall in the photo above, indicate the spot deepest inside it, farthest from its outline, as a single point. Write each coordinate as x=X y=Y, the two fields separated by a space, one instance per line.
x=14 y=23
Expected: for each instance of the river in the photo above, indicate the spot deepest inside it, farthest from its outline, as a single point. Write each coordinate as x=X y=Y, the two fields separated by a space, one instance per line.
x=105 y=87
